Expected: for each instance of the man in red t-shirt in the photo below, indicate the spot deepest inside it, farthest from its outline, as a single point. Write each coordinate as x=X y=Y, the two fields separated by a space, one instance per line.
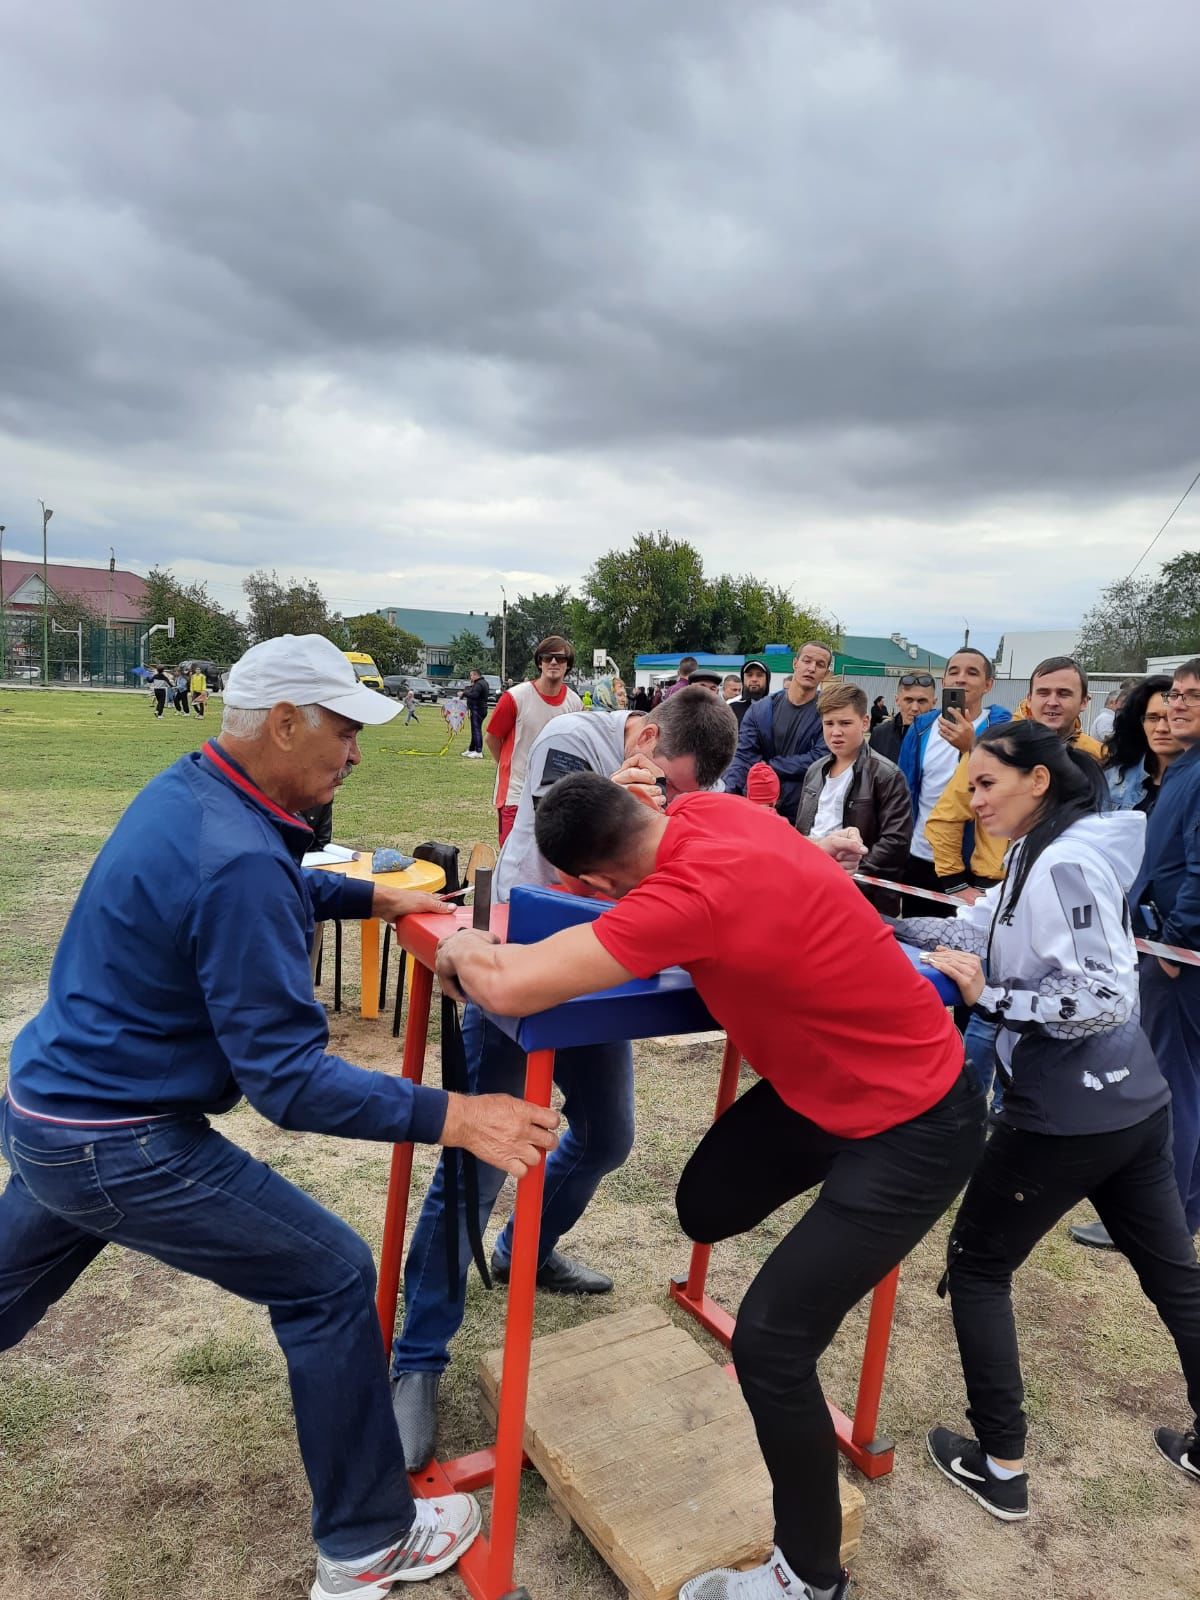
x=520 y=715
x=861 y=1091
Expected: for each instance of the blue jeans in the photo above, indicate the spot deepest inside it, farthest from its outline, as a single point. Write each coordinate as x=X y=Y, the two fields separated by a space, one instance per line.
x=979 y=1041
x=180 y=1192
x=597 y=1086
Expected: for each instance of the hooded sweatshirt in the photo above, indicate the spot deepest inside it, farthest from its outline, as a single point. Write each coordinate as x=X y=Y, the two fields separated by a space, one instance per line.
x=1063 y=981
x=951 y=827
x=744 y=701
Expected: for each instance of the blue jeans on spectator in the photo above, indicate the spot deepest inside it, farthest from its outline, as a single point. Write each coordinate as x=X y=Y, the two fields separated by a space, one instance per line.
x=980 y=1042
x=176 y=1190
x=597 y=1086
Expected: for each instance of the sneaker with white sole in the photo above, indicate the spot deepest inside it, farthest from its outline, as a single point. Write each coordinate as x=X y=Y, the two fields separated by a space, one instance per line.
x=774 y=1580
x=1181 y=1449
x=442 y=1530
x=963 y=1461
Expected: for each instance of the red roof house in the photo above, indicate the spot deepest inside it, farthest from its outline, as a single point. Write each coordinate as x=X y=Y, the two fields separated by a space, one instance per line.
x=115 y=597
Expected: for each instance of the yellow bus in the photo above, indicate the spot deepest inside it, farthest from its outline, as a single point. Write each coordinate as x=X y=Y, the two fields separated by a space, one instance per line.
x=365 y=669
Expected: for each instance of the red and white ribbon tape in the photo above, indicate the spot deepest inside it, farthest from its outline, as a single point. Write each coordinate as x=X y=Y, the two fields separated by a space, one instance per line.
x=1148 y=947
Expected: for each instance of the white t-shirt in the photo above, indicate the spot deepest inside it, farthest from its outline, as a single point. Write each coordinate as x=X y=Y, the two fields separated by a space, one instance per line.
x=576 y=741
x=936 y=771
x=830 y=806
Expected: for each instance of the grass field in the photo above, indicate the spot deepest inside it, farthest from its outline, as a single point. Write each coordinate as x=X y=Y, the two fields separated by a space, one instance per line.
x=146 y=1446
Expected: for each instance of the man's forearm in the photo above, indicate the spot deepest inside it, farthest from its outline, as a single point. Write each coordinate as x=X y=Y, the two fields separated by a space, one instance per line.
x=494 y=745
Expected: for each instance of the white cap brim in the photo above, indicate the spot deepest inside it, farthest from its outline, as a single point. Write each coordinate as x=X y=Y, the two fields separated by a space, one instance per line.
x=363 y=705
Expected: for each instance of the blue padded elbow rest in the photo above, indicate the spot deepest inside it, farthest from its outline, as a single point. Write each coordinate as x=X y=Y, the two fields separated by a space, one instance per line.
x=948 y=992
x=535 y=914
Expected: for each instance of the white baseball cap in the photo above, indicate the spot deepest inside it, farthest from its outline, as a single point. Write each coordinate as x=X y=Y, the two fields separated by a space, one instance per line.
x=308 y=670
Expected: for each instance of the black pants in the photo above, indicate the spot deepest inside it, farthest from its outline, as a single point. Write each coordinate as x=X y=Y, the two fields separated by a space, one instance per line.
x=181 y=701
x=922 y=875
x=1025 y=1184
x=879 y=1197
x=160 y=702
x=476 y=730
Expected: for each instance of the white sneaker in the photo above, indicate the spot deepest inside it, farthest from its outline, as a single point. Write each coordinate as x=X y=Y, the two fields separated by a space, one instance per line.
x=442 y=1530
x=774 y=1580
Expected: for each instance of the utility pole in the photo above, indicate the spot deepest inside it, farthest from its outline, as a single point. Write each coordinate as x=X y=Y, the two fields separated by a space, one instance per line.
x=503 y=636
x=3 y=616
x=112 y=567
x=46 y=515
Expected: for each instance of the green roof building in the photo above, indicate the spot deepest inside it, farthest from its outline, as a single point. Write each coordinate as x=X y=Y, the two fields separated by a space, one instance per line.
x=865 y=656
x=435 y=629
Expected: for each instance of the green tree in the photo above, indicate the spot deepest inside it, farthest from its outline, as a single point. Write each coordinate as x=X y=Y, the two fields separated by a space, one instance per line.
x=650 y=596
x=275 y=607
x=204 y=631
x=1124 y=627
x=468 y=650
x=392 y=649
x=1179 y=603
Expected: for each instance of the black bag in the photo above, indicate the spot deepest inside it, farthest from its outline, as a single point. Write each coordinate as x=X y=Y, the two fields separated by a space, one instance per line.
x=444 y=856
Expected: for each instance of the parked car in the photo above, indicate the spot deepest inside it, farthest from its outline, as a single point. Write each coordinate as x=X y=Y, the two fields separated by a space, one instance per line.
x=451 y=687
x=495 y=689
x=424 y=689
x=397 y=684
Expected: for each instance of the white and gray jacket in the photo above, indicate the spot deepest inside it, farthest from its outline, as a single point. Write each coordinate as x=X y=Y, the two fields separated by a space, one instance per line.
x=1062 y=981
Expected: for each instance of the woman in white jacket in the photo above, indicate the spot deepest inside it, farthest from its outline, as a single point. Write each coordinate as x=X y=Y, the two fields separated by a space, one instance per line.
x=1086 y=1111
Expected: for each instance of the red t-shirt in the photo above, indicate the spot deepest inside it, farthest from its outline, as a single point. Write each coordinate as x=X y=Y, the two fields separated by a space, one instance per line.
x=504 y=717
x=793 y=963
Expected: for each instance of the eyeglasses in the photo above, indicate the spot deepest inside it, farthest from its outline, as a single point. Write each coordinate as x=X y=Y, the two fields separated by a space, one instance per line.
x=1155 y=716
x=1187 y=697
x=563 y=659
x=921 y=680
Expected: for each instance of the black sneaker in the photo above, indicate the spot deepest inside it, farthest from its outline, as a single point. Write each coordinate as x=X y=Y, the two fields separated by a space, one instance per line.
x=963 y=1461
x=1181 y=1449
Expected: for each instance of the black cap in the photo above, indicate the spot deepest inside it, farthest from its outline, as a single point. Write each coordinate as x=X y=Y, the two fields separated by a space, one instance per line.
x=706 y=675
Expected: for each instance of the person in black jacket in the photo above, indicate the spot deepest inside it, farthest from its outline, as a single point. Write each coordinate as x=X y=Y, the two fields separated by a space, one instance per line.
x=476 y=696
x=917 y=693
x=853 y=787
x=756 y=685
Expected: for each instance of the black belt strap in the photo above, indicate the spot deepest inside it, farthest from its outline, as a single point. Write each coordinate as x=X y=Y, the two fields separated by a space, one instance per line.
x=454 y=1079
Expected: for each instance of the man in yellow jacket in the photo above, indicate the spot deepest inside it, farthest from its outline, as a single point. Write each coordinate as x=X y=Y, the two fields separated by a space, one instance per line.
x=967 y=860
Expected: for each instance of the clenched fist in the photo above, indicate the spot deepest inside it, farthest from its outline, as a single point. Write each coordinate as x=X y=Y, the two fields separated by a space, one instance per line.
x=503 y=1132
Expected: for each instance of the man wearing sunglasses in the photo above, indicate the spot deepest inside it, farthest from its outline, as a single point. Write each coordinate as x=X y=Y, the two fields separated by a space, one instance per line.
x=916 y=694
x=520 y=715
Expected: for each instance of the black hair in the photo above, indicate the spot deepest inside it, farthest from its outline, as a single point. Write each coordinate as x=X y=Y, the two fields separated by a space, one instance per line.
x=1077 y=789
x=694 y=722
x=684 y=668
x=1127 y=745
x=585 y=822
x=1059 y=664
x=815 y=644
x=989 y=670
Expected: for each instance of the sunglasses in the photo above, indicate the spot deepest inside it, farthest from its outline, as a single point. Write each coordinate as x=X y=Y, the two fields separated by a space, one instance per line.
x=553 y=658
x=922 y=680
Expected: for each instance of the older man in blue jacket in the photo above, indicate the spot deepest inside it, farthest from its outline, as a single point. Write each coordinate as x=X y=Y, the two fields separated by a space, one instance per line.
x=182 y=983
x=1166 y=906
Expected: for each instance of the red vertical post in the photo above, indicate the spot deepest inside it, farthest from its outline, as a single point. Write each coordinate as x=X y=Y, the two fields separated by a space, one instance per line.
x=400 y=1178
x=518 y=1335
x=874 y=1362
x=726 y=1094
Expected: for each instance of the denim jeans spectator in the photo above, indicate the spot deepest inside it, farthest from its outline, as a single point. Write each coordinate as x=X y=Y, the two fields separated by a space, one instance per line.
x=597 y=1086
x=177 y=1190
x=980 y=1042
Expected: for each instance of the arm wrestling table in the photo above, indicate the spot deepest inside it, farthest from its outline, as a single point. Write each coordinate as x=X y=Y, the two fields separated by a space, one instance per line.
x=666 y=1004
x=421 y=875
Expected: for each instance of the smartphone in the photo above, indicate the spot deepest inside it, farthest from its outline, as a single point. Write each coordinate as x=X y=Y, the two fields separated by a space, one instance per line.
x=954 y=699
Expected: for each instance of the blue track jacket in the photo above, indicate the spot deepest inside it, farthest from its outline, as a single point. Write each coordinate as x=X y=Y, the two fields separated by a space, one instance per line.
x=182 y=980
x=756 y=742
x=1169 y=880
x=912 y=755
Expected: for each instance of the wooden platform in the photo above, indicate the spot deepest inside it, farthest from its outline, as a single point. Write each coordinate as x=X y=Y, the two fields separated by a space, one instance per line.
x=646 y=1443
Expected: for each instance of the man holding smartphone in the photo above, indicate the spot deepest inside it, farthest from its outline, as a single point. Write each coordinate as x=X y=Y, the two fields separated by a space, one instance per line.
x=930 y=754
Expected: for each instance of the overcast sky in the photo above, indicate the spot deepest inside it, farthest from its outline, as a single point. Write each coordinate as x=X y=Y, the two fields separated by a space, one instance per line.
x=892 y=303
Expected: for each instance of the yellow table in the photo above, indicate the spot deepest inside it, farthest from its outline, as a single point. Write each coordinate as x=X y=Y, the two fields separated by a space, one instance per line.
x=421 y=875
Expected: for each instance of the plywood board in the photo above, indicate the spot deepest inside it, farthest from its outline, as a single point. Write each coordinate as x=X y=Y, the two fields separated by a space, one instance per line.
x=648 y=1446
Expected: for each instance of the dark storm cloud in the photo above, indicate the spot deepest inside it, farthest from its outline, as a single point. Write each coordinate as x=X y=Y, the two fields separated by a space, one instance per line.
x=916 y=253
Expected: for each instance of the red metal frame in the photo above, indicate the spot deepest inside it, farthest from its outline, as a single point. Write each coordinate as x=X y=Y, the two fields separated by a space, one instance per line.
x=857 y=1439
x=486 y=1569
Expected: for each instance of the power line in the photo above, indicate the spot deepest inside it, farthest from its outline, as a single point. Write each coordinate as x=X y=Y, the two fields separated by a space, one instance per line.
x=1163 y=529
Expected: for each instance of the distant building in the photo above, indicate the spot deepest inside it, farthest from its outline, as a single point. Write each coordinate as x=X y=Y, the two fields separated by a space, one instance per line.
x=1018 y=653
x=435 y=629
x=116 y=596
x=864 y=654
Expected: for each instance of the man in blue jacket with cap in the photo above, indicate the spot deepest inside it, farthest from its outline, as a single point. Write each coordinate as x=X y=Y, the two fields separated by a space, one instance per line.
x=182 y=983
